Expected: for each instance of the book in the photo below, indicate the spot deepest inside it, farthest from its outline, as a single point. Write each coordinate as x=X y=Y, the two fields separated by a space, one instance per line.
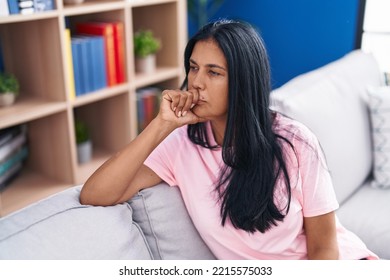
x=26 y=4
x=13 y=159
x=85 y=64
x=76 y=52
x=119 y=51
x=11 y=146
x=43 y=5
x=4 y=10
x=10 y=175
x=69 y=65
x=107 y=31
x=140 y=113
x=13 y=6
x=148 y=105
x=26 y=11
x=8 y=133
x=97 y=62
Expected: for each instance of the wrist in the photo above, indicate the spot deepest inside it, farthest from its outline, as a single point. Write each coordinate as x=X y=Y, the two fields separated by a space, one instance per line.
x=163 y=128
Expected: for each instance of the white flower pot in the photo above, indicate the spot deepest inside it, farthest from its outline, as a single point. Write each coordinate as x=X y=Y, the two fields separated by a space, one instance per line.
x=7 y=99
x=84 y=152
x=145 y=65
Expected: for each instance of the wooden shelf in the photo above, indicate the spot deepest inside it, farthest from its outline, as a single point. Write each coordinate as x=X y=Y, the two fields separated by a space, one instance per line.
x=27 y=109
x=33 y=48
x=162 y=74
x=28 y=188
x=99 y=95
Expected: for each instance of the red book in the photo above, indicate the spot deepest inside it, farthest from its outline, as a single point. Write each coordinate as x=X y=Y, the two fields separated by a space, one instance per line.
x=107 y=30
x=119 y=52
x=149 y=100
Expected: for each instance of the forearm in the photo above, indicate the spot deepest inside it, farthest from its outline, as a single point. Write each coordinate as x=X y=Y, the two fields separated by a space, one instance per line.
x=111 y=180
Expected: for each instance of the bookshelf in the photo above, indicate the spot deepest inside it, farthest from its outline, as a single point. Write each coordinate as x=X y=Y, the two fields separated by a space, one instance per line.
x=33 y=48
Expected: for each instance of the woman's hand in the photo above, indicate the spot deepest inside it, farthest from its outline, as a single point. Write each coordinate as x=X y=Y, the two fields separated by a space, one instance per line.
x=176 y=107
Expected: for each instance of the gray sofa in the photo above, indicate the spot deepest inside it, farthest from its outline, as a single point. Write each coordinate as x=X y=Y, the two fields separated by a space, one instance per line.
x=332 y=101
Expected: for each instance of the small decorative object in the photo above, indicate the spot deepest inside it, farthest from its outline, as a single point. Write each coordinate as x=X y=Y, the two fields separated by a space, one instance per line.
x=145 y=49
x=9 y=89
x=84 y=143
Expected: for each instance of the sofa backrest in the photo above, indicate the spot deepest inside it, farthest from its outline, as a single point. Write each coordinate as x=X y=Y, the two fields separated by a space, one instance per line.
x=331 y=101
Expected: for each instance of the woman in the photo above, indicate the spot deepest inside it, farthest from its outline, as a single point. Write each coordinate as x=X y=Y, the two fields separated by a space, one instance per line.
x=254 y=182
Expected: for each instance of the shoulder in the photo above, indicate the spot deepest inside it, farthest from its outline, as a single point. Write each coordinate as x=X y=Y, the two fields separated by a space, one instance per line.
x=293 y=130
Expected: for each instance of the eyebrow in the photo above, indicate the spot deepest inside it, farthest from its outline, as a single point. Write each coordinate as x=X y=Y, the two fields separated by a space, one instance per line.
x=211 y=65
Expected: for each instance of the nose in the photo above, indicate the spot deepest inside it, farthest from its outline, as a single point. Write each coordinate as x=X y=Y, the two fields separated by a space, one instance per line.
x=198 y=82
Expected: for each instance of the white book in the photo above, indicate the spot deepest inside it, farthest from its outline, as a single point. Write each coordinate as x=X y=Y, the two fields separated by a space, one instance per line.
x=26 y=4
x=27 y=11
x=4 y=10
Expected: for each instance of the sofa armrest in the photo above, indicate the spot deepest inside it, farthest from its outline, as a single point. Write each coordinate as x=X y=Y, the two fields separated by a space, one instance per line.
x=59 y=227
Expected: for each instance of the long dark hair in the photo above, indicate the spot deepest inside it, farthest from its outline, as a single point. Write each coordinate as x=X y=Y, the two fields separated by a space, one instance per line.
x=251 y=150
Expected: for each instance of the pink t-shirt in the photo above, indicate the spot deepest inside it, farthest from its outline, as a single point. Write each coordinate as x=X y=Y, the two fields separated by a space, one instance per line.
x=195 y=170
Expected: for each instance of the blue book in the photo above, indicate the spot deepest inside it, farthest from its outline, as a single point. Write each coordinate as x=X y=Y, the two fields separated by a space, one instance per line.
x=13 y=6
x=92 y=63
x=76 y=50
x=99 y=64
x=85 y=62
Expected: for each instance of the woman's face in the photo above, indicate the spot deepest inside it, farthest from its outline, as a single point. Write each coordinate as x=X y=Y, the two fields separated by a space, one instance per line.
x=208 y=75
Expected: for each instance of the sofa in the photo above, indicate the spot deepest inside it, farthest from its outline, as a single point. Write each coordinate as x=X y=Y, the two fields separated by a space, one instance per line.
x=338 y=102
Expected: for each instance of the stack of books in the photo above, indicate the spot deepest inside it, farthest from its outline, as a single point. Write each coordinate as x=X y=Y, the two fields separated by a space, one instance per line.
x=24 y=7
x=88 y=63
x=13 y=152
x=97 y=56
x=148 y=105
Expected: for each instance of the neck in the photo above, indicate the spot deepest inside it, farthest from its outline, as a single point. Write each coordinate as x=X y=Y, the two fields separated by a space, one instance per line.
x=218 y=129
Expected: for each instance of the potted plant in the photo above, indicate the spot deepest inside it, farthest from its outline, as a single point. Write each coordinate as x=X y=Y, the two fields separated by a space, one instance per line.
x=84 y=143
x=145 y=49
x=9 y=89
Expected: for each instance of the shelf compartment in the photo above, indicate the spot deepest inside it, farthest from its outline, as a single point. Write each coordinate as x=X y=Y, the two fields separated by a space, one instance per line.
x=109 y=126
x=32 y=52
x=158 y=18
x=48 y=165
x=49 y=145
x=28 y=188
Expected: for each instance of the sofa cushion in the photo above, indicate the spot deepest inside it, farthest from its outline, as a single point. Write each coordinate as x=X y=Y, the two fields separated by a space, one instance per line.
x=367 y=213
x=162 y=215
x=379 y=104
x=331 y=101
x=59 y=227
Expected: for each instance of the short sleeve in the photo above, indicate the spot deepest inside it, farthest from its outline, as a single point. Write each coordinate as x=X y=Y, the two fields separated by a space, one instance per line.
x=162 y=159
x=318 y=196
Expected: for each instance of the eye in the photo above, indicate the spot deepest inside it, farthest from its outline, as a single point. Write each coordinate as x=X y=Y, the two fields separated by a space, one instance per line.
x=193 y=68
x=213 y=73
